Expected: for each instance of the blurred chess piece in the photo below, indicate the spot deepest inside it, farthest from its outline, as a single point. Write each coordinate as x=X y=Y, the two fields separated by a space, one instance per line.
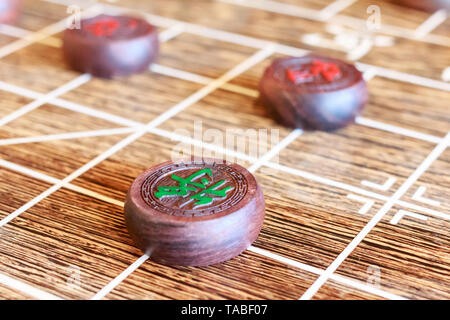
x=10 y=11
x=426 y=5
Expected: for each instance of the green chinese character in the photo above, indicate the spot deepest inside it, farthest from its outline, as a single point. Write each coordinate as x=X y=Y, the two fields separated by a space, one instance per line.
x=203 y=199
x=188 y=184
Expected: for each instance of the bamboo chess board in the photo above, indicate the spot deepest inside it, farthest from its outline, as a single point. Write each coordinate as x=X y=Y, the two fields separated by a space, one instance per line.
x=361 y=213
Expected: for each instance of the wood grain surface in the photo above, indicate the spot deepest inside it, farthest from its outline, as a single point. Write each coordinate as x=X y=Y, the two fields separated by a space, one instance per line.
x=6 y=293
x=70 y=146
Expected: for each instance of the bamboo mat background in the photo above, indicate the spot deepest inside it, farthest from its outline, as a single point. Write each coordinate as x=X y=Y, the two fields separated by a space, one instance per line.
x=361 y=213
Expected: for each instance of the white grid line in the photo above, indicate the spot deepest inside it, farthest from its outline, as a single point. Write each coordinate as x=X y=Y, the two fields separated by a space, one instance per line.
x=275 y=150
x=41 y=34
x=171 y=33
x=201 y=144
x=122 y=276
x=46 y=98
x=17 y=32
x=377 y=218
x=179 y=74
x=406 y=77
x=365 y=287
x=82 y=3
x=196 y=78
x=368 y=203
x=347 y=281
x=69 y=135
x=28 y=172
x=334 y=8
x=398 y=130
x=428 y=211
x=391 y=30
x=279 y=7
x=20 y=91
x=369 y=74
x=431 y=23
x=27 y=289
x=94 y=113
x=52 y=180
x=343 y=186
x=356 y=23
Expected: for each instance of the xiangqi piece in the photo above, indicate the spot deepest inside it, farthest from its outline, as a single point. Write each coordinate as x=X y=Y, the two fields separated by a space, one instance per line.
x=313 y=92
x=195 y=212
x=111 y=46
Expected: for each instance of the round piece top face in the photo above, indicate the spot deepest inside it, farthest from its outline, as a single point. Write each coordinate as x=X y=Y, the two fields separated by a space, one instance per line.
x=195 y=188
x=194 y=212
x=113 y=28
x=314 y=74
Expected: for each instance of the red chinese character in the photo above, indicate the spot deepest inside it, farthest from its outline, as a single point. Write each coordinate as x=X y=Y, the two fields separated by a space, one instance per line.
x=297 y=75
x=328 y=70
x=104 y=27
x=132 y=24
